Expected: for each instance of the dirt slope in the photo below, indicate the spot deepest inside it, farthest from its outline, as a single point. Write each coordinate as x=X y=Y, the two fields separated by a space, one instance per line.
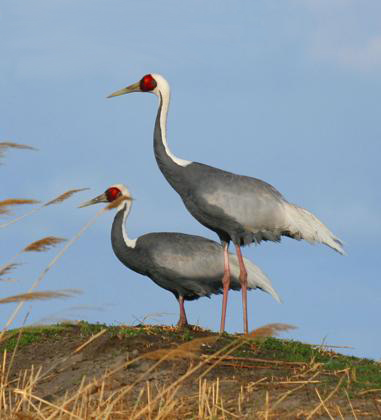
x=122 y=372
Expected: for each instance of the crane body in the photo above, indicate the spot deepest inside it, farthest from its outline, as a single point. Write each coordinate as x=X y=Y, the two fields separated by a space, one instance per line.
x=238 y=208
x=189 y=266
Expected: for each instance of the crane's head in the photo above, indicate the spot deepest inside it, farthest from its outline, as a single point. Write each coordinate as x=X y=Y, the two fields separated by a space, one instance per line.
x=117 y=194
x=151 y=83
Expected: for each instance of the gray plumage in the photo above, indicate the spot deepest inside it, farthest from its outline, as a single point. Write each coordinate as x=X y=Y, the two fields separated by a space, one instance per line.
x=238 y=208
x=189 y=266
x=186 y=265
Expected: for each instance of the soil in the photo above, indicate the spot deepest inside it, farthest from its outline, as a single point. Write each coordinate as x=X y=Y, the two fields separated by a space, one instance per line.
x=251 y=379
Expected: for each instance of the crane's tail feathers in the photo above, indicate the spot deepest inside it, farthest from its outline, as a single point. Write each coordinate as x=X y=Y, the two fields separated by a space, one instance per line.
x=304 y=225
x=255 y=276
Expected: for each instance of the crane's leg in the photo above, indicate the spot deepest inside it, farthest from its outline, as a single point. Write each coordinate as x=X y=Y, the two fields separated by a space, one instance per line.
x=183 y=322
x=226 y=285
x=243 y=280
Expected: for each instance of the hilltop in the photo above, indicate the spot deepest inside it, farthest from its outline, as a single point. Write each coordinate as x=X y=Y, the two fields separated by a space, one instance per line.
x=151 y=372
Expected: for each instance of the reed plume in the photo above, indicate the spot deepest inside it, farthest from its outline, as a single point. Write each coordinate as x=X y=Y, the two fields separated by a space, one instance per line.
x=5 y=269
x=10 y=145
x=58 y=199
x=64 y=196
x=270 y=330
x=114 y=204
x=66 y=293
x=43 y=244
x=5 y=204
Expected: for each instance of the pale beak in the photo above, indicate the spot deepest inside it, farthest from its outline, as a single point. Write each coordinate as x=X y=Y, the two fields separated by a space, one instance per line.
x=100 y=199
x=129 y=89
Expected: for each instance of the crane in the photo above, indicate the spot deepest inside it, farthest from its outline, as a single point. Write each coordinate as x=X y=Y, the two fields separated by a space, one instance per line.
x=189 y=266
x=238 y=208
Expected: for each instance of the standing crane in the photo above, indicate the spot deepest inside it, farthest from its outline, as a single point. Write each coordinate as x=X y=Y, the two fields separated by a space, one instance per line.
x=188 y=266
x=238 y=208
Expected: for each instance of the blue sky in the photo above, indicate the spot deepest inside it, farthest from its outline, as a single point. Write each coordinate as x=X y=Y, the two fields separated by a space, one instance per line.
x=283 y=91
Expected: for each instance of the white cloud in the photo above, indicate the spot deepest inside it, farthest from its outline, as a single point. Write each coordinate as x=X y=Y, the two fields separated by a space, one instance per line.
x=345 y=33
x=364 y=57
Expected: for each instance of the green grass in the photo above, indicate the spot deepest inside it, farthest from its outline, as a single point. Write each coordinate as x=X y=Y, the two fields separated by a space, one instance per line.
x=34 y=334
x=361 y=374
x=28 y=335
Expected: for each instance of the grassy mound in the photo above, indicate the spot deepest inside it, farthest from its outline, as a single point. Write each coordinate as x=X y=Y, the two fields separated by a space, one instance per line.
x=87 y=370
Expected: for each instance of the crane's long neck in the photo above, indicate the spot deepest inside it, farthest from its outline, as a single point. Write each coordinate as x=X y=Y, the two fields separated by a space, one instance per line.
x=121 y=243
x=126 y=249
x=170 y=165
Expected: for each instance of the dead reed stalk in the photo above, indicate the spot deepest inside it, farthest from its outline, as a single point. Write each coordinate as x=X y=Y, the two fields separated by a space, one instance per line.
x=56 y=200
x=43 y=244
x=64 y=196
x=5 y=204
x=49 y=266
x=23 y=297
x=4 y=145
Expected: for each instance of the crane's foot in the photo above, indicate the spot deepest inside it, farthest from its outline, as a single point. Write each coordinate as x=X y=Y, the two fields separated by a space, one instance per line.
x=183 y=324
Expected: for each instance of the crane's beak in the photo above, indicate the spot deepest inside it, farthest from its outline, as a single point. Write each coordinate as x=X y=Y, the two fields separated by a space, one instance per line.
x=103 y=199
x=129 y=89
x=100 y=199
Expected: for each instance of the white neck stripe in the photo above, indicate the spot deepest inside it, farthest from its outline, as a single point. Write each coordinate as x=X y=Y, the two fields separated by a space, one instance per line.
x=164 y=96
x=131 y=243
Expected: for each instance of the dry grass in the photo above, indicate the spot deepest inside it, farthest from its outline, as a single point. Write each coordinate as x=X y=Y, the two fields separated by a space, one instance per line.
x=40 y=296
x=10 y=145
x=43 y=244
x=92 y=399
x=101 y=398
x=40 y=245
x=49 y=266
x=5 y=269
x=114 y=204
x=64 y=196
x=36 y=246
x=270 y=330
x=5 y=204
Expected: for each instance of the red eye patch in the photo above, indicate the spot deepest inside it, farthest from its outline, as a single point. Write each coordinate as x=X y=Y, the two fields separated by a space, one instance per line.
x=147 y=83
x=112 y=194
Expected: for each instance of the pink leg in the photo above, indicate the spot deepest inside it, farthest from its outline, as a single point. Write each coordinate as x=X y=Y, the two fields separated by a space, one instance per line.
x=243 y=280
x=183 y=322
x=226 y=285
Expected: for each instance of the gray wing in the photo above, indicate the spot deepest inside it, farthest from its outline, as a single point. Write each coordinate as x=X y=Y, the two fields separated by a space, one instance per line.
x=241 y=203
x=192 y=266
x=187 y=265
x=252 y=203
x=187 y=256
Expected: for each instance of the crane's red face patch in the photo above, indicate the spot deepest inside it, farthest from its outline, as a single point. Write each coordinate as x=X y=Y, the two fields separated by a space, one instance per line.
x=113 y=193
x=147 y=83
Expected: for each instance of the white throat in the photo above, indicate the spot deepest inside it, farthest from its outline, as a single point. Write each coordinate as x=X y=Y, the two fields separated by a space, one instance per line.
x=131 y=243
x=164 y=91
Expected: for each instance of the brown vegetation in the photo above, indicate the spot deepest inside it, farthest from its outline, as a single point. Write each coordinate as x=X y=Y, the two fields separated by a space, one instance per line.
x=43 y=244
x=83 y=371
